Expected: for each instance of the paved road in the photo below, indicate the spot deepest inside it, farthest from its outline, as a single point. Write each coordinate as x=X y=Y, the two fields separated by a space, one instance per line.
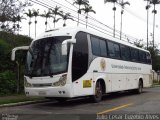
x=113 y=106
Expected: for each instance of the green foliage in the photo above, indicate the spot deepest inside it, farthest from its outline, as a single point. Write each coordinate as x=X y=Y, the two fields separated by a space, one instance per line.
x=7 y=82
x=155 y=58
x=8 y=68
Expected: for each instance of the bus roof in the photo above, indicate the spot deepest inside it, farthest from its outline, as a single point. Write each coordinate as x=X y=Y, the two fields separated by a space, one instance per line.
x=72 y=31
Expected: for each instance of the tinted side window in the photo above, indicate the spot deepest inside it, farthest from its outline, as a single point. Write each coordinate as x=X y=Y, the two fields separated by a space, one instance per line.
x=125 y=52
x=95 y=45
x=148 y=57
x=134 y=55
x=80 y=56
x=99 y=47
x=113 y=49
x=142 y=56
x=103 y=48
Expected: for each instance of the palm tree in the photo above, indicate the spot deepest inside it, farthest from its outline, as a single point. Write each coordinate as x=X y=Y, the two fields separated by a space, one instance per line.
x=122 y=11
x=55 y=20
x=79 y=3
x=46 y=15
x=147 y=8
x=154 y=2
x=66 y=16
x=56 y=11
x=114 y=9
x=30 y=15
x=87 y=9
x=35 y=14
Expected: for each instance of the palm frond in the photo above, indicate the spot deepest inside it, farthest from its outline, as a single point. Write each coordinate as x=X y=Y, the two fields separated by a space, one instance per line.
x=112 y=1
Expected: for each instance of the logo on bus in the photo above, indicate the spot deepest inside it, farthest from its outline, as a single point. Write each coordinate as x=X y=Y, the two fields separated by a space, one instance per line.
x=103 y=64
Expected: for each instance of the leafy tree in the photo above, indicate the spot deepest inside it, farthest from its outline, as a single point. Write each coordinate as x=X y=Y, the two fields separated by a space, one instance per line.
x=114 y=10
x=86 y=10
x=16 y=19
x=122 y=3
x=19 y=18
x=7 y=67
x=79 y=3
x=8 y=9
x=139 y=43
x=7 y=83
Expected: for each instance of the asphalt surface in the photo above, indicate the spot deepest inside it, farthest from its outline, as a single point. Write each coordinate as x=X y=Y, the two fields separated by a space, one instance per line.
x=115 y=106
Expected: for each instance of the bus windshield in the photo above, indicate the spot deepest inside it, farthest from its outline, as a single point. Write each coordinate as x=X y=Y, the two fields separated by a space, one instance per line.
x=44 y=57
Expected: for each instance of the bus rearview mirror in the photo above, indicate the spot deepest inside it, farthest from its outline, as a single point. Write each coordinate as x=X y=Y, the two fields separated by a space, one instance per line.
x=64 y=48
x=65 y=45
x=18 y=48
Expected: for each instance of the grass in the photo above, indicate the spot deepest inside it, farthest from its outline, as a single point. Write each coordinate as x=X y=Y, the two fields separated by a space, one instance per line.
x=156 y=83
x=18 y=98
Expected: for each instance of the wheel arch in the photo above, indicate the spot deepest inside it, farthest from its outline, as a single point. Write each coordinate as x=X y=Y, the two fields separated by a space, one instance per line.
x=102 y=82
x=141 y=80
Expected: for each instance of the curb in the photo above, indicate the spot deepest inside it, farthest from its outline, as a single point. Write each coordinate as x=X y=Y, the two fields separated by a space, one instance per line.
x=155 y=85
x=22 y=103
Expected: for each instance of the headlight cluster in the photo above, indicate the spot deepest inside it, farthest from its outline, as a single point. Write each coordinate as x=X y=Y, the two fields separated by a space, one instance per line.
x=61 y=82
x=26 y=83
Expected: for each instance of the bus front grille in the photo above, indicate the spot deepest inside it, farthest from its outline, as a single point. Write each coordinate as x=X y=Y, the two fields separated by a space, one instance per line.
x=42 y=85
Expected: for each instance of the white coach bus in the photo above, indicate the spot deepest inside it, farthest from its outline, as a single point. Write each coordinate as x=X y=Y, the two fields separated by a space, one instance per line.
x=74 y=62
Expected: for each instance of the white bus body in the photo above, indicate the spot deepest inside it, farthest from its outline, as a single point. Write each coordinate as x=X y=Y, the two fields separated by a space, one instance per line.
x=94 y=64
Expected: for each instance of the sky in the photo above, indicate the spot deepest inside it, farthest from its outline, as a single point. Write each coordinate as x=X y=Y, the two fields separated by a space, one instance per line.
x=134 y=18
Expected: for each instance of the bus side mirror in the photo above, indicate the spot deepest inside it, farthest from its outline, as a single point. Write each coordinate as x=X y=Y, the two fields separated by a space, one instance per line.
x=18 y=48
x=65 y=45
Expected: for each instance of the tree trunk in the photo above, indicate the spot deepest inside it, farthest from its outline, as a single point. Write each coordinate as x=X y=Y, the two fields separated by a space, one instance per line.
x=35 y=27
x=86 y=20
x=154 y=24
x=78 y=16
x=18 y=77
x=114 y=26
x=121 y=25
x=147 y=22
x=46 y=24
x=29 y=26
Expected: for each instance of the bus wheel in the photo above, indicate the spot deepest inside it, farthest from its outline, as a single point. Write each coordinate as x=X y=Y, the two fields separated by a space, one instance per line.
x=140 y=87
x=61 y=100
x=98 y=92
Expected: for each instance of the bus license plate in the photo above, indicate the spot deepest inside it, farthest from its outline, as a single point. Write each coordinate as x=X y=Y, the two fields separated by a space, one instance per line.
x=42 y=93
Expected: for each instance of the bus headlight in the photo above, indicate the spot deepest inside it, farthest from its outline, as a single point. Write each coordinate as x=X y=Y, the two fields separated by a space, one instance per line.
x=26 y=83
x=61 y=82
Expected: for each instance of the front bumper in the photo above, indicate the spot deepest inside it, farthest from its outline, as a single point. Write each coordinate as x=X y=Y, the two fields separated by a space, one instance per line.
x=60 y=91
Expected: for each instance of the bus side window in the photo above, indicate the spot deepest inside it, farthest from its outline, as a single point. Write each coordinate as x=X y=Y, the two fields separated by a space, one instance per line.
x=125 y=52
x=148 y=57
x=99 y=47
x=134 y=55
x=114 y=50
x=142 y=56
x=103 y=48
x=95 y=46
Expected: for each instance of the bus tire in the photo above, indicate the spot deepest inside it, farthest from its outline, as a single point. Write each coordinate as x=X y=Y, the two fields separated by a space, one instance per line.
x=98 y=93
x=139 y=90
